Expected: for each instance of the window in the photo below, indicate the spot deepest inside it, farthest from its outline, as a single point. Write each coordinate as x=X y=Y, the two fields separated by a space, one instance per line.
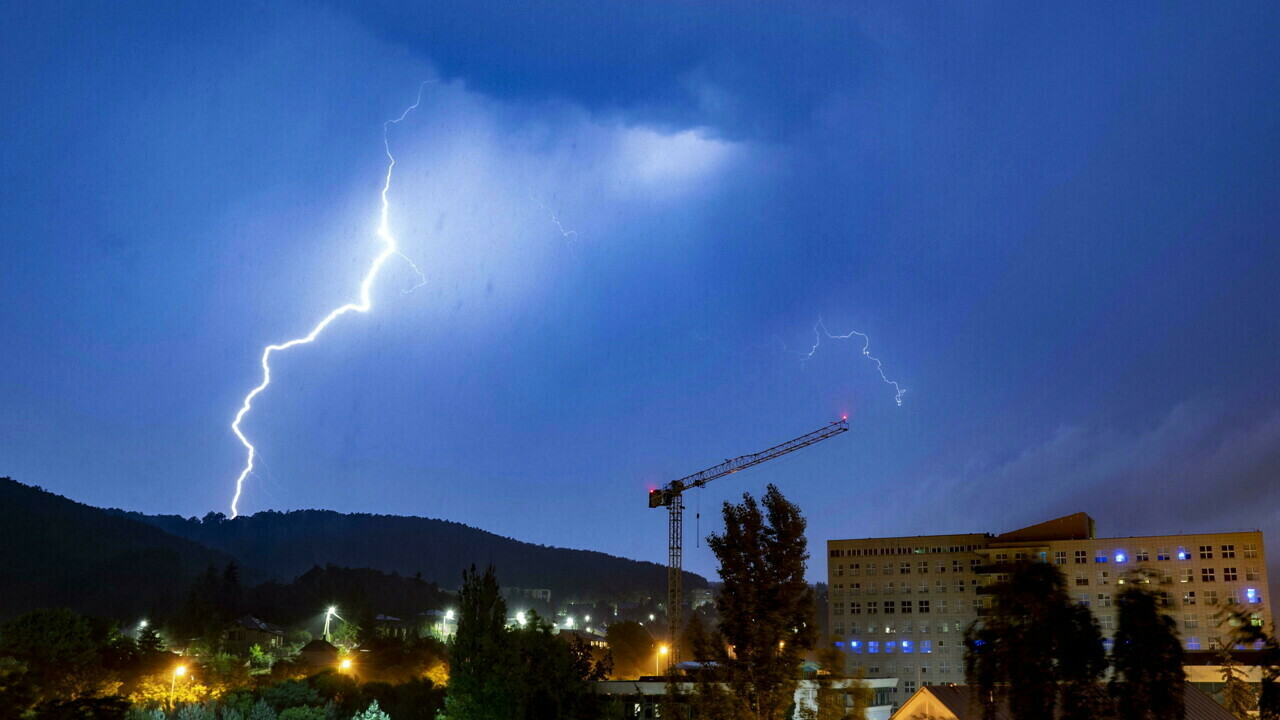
x=906 y=607
x=922 y=567
x=1251 y=550
x=1104 y=577
x=1251 y=574
x=923 y=589
x=905 y=588
x=887 y=568
x=1233 y=597
x=853 y=629
x=1108 y=622
x=1082 y=557
x=839 y=571
x=890 y=646
x=926 y=646
x=1210 y=597
x=973 y=564
x=1228 y=551
x=873 y=646
x=871 y=588
x=1188 y=575
x=855 y=608
x=1019 y=556
x=1207 y=575
x=873 y=607
x=942 y=605
x=1083 y=599
x=904 y=569
x=940 y=586
x=940 y=568
x=1190 y=620
x=908 y=686
x=1002 y=558
x=1059 y=557
x=871 y=568
x=955 y=566
x=1104 y=600
x=1162 y=553
x=838 y=630
x=1229 y=574
x=837 y=609
x=1100 y=556
x=1081 y=579
x=1165 y=578
x=924 y=606
x=1142 y=555
x=1193 y=643
x=1215 y=642
x=907 y=628
x=889 y=607
x=853 y=569
x=1189 y=597
x=1183 y=554
x=960 y=586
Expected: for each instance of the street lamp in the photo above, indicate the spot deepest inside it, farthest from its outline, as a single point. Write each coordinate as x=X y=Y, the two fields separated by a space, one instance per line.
x=173 y=681
x=662 y=652
x=345 y=665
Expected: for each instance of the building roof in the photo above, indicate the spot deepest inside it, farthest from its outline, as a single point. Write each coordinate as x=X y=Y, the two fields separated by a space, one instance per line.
x=960 y=702
x=250 y=622
x=319 y=645
x=1077 y=526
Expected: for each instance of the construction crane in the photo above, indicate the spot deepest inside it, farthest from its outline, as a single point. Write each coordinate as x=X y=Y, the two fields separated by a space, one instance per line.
x=671 y=497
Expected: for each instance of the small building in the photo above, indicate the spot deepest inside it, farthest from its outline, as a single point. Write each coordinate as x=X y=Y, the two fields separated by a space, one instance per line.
x=248 y=631
x=643 y=699
x=319 y=653
x=960 y=702
x=586 y=636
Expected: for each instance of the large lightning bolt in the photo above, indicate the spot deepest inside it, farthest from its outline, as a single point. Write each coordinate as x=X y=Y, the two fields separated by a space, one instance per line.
x=389 y=248
x=819 y=329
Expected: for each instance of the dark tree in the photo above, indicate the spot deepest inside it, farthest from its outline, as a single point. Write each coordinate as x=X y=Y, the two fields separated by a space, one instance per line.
x=1035 y=645
x=552 y=678
x=62 y=658
x=1247 y=630
x=766 y=607
x=633 y=649
x=479 y=685
x=1148 y=679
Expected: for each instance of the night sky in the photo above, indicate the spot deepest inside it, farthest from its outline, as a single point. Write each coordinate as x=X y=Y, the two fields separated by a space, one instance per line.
x=1056 y=223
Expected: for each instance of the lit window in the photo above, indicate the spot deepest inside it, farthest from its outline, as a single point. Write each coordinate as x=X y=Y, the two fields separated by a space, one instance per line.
x=856 y=647
x=926 y=646
x=1120 y=556
x=1252 y=596
x=907 y=647
x=1189 y=597
x=873 y=646
x=1183 y=554
x=1188 y=575
x=890 y=646
x=1100 y=557
x=1083 y=598
x=1193 y=643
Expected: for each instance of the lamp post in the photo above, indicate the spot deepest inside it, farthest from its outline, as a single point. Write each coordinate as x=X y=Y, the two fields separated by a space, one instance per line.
x=662 y=652
x=173 y=681
x=444 y=626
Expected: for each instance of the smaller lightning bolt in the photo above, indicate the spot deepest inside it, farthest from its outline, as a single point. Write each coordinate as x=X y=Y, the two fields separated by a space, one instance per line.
x=566 y=233
x=389 y=248
x=819 y=329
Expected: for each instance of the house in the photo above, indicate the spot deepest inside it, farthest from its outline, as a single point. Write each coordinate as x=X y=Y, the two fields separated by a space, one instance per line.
x=319 y=653
x=960 y=702
x=586 y=636
x=248 y=631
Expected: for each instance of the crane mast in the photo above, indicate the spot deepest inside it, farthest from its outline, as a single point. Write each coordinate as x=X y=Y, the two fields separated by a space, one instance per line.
x=671 y=496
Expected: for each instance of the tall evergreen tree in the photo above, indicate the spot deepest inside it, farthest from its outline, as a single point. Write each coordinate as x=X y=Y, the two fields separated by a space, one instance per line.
x=1148 y=679
x=479 y=688
x=766 y=607
x=1036 y=650
x=1247 y=630
x=1237 y=697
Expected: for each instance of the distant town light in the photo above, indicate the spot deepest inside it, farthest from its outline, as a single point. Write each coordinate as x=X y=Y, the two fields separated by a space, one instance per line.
x=586 y=619
x=142 y=624
x=650 y=617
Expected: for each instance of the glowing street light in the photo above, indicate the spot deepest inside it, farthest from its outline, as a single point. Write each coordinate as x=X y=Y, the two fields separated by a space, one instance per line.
x=345 y=665
x=329 y=614
x=520 y=618
x=662 y=652
x=173 y=681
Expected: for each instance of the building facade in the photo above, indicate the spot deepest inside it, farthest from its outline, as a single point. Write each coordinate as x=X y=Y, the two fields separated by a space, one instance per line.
x=899 y=606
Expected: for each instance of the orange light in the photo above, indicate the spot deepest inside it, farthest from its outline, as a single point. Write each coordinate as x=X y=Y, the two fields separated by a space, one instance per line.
x=345 y=664
x=180 y=670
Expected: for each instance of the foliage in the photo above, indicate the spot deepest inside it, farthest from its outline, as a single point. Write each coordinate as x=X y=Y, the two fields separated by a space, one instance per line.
x=479 y=688
x=1034 y=645
x=1248 y=632
x=260 y=659
x=766 y=606
x=262 y=711
x=84 y=708
x=195 y=712
x=63 y=658
x=162 y=690
x=371 y=713
x=16 y=692
x=1238 y=697
x=633 y=649
x=1147 y=679
x=302 y=712
x=290 y=693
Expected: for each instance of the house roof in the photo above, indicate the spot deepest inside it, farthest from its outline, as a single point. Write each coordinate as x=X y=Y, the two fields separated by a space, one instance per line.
x=961 y=701
x=252 y=623
x=319 y=645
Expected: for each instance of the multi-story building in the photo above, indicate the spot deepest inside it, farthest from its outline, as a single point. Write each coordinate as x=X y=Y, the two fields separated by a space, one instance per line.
x=900 y=606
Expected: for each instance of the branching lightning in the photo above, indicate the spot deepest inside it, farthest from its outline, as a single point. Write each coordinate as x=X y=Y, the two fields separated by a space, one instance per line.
x=819 y=329
x=390 y=247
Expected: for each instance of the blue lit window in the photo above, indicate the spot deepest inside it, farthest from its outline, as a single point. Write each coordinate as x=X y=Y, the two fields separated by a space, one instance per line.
x=873 y=646
x=856 y=646
x=926 y=646
x=1252 y=595
x=1183 y=554
x=889 y=646
x=1120 y=556
x=906 y=647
